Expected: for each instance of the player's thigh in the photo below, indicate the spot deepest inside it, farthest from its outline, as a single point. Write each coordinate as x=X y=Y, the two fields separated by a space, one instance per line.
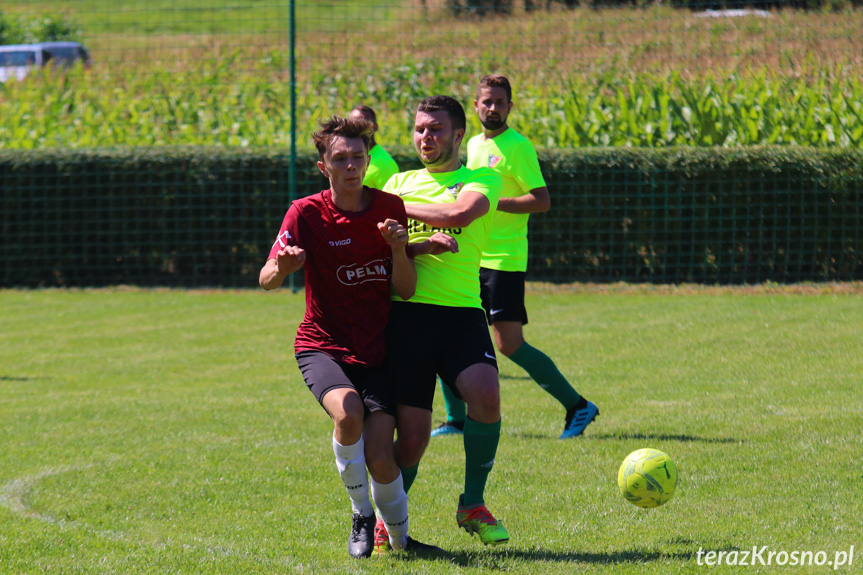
x=479 y=386
x=343 y=404
x=467 y=343
x=413 y=427
x=331 y=385
x=411 y=362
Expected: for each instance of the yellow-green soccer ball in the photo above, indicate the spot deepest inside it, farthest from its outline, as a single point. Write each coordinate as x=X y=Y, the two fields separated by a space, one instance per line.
x=647 y=478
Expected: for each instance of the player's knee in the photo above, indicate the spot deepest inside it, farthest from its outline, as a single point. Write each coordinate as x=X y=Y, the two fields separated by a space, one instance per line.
x=482 y=396
x=409 y=449
x=484 y=410
x=381 y=465
x=507 y=348
x=349 y=426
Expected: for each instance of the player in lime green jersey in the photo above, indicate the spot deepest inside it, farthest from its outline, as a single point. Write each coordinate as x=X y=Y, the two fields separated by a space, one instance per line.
x=442 y=330
x=504 y=258
x=382 y=166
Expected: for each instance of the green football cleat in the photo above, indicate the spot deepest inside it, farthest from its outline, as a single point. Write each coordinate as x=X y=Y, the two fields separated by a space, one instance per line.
x=479 y=520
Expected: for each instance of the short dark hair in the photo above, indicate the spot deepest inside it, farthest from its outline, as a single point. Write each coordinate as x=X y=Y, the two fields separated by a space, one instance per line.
x=451 y=106
x=495 y=81
x=344 y=127
x=366 y=111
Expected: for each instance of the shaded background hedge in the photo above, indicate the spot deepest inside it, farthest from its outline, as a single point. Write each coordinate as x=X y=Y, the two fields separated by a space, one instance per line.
x=197 y=217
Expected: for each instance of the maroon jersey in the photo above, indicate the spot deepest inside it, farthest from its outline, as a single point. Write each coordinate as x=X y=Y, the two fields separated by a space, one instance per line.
x=348 y=267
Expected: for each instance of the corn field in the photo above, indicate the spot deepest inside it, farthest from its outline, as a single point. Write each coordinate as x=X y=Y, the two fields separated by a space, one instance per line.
x=792 y=78
x=220 y=107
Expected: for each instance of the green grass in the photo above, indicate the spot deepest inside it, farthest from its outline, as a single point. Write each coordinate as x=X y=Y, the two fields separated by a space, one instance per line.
x=170 y=432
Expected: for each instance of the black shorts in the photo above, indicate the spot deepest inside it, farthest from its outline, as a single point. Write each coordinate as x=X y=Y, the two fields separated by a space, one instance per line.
x=322 y=374
x=425 y=341
x=502 y=295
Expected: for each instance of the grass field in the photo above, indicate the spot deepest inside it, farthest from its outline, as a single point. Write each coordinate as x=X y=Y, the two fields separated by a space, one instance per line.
x=170 y=432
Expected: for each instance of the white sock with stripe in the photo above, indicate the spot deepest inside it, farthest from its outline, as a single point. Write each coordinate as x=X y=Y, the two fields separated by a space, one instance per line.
x=351 y=462
x=392 y=503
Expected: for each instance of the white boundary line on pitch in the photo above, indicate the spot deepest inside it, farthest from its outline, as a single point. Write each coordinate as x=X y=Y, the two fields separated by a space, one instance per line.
x=14 y=493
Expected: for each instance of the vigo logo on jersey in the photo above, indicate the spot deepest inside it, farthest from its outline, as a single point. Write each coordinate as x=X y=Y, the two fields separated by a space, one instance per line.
x=373 y=271
x=493 y=160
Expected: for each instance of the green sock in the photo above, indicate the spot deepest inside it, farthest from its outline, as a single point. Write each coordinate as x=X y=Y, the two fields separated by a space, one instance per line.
x=543 y=371
x=480 y=447
x=408 y=475
x=455 y=408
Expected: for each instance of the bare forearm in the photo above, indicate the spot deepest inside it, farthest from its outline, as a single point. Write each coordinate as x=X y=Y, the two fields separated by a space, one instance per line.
x=404 y=274
x=270 y=277
x=469 y=207
x=535 y=201
x=419 y=249
x=275 y=271
x=438 y=215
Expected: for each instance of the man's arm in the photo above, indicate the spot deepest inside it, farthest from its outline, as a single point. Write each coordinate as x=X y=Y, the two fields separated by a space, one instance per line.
x=438 y=243
x=404 y=279
x=469 y=206
x=535 y=201
x=274 y=272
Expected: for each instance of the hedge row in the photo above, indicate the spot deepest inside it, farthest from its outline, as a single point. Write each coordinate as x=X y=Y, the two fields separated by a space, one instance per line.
x=197 y=217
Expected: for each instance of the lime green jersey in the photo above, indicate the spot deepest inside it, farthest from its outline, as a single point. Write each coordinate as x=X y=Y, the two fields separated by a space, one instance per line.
x=448 y=279
x=512 y=156
x=381 y=168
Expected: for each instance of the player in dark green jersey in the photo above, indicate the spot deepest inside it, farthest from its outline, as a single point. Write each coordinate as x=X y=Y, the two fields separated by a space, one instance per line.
x=504 y=258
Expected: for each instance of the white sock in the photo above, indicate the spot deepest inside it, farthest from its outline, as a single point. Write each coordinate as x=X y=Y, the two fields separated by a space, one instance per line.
x=351 y=462
x=392 y=503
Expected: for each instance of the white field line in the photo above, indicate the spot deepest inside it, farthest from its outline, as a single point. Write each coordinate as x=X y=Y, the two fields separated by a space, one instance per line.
x=13 y=496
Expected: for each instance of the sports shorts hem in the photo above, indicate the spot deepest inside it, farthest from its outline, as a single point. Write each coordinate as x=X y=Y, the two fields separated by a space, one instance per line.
x=502 y=295
x=323 y=374
x=425 y=341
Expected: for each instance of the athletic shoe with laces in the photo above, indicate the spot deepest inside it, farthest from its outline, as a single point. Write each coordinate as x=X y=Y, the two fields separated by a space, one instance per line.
x=382 y=536
x=479 y=520
x=417 y=548
x=449 y=428
x=382 y=542
x=578 y=418
x=361 y=541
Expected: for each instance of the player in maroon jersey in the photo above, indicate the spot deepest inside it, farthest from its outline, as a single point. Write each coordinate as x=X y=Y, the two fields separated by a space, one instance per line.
x=352 y=242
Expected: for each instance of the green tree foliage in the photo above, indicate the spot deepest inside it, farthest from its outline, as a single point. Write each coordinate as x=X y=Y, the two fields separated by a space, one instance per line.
x=46 y=28
x=10 y=30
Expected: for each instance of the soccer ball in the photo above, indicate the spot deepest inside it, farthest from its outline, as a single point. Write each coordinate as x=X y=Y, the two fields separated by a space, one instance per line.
x=647 y=478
